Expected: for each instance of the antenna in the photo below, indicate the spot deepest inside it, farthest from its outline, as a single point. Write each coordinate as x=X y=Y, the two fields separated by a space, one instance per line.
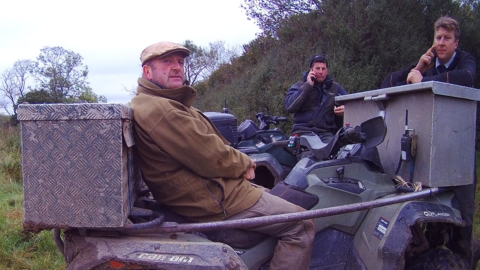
x=225 y=109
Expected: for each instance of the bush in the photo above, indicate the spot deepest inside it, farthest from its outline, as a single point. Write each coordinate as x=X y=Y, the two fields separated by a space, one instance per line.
x=10 y=153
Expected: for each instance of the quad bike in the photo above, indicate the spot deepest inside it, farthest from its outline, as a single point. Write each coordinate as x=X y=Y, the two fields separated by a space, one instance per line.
x=364 y=219
x=339 y=179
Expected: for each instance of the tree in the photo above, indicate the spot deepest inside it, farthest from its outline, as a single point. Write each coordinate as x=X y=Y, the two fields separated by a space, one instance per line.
x=218 y=54
x=13 y=84
x=36 y=97
x=269 y=14
x=195 y=64
x=88 y=96
x=202 y=62
x=61 y=73
x=364 y=40
x=41 y=97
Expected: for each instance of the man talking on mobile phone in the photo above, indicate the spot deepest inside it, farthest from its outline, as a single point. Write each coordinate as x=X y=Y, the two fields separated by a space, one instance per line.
x=442 y=62
x=312 y=100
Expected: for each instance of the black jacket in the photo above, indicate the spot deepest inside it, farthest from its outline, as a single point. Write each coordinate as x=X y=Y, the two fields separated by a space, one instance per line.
x=313 y=105
x=462 y=71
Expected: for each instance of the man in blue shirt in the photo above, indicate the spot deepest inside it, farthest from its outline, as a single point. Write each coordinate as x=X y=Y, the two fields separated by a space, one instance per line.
x=442 y=62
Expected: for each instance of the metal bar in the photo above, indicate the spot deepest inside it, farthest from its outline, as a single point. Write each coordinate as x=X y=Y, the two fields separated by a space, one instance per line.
x=172 y=227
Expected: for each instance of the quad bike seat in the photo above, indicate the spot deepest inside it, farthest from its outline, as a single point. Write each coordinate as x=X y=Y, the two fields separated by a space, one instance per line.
x=239 y=238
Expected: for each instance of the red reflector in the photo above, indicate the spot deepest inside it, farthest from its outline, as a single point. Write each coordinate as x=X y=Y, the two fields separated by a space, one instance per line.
x=116 y=265
x=119 y=265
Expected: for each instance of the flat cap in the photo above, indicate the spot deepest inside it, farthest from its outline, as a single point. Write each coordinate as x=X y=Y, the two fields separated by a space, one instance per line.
x=160 y=49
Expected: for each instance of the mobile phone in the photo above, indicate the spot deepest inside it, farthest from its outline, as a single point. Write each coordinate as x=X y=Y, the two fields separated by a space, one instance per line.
x=434 y=53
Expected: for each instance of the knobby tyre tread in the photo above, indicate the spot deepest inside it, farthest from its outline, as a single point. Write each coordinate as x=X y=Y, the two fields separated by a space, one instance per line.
x=438 y=259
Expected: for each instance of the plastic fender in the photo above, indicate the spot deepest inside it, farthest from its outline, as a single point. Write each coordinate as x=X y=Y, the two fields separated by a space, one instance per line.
x=382 y=238
x=159 y=251
x=271 y=164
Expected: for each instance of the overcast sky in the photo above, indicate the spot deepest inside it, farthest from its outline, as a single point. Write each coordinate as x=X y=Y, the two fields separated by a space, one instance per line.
x=110 y=35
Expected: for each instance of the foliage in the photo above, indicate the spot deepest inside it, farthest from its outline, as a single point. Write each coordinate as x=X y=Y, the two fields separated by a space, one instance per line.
x=87 y=96
x=19 y=250
x=61 y=73
x=269 y=14
x=10 y=155
x=364 y=40
x=61 y=78
x=202 y=62
x=195 y=64
x=37 y=97
x=13 y=84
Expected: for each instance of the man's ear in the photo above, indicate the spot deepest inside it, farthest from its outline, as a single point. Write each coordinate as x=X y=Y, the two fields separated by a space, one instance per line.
x=147 y=72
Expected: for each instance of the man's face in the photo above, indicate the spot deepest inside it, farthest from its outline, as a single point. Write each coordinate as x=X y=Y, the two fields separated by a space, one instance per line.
x=445 y=44
x=167 y=71
x=320 y=70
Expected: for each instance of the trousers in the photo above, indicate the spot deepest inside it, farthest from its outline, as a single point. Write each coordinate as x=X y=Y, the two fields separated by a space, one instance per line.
x=295 y=239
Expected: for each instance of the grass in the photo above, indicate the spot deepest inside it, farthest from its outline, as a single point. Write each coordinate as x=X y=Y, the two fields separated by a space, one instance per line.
x=19 y=250
x=26 y=251
x=476 y=219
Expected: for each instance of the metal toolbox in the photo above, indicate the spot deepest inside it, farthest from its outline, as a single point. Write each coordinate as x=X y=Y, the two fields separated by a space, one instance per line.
x=442 y=117
x=78 y=165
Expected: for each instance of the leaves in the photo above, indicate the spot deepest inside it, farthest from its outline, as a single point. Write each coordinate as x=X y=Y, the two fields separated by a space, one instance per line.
x=202 y=62
x=61 y=73
x=269 y=14
x=364 y=40
x=60 y=76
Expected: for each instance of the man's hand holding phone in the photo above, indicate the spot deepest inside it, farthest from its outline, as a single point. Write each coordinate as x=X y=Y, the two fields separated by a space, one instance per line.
x=311 y=77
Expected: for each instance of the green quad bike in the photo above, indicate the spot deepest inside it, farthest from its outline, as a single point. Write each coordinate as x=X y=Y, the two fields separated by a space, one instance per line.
x=365 y=219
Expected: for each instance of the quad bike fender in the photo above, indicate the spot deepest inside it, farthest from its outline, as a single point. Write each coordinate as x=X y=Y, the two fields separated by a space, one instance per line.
x=159 y=251
x=268 y=169
x=385 y=234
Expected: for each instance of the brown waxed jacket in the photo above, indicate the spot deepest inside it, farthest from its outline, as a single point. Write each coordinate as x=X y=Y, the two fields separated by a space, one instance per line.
x=186 y=163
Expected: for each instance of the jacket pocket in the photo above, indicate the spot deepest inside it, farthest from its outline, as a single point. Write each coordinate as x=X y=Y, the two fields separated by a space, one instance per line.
x=214 y=196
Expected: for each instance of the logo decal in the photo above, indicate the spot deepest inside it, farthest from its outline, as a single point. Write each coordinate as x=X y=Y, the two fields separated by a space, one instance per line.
x=381 y=228
x=164 y=257
x=435 y=214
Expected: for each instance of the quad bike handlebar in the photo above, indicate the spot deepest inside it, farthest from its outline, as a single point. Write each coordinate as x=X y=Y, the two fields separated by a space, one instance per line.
x=311 y=142
x=266 y=120
x=370 y=133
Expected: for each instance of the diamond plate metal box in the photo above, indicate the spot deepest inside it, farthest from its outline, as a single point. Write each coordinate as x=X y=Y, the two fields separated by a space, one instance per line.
x=78 y=165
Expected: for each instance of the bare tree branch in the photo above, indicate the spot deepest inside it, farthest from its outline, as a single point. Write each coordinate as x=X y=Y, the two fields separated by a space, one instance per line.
x=13 y=84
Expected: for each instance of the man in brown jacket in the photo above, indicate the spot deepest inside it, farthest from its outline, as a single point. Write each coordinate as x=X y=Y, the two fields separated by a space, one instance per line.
x=191 y=169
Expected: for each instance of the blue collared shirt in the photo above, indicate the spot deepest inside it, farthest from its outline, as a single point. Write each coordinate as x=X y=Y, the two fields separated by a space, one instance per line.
x=446 y=64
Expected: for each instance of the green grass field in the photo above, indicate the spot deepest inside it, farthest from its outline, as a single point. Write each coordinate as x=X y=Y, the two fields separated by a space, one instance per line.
x=26 y=251
x=18 y=250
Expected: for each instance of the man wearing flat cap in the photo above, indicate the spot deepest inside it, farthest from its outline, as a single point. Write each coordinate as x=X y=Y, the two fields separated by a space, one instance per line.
x=191 y=169
x=312 y=100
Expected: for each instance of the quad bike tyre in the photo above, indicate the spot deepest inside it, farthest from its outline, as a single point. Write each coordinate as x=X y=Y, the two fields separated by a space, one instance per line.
x=438 y=258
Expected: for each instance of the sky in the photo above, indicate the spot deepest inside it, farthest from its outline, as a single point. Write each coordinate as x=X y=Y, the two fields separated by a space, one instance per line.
x=110 y=35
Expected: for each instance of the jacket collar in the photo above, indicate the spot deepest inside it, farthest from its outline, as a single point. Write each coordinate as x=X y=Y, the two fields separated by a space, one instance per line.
x=453 y=62
x=185 y=94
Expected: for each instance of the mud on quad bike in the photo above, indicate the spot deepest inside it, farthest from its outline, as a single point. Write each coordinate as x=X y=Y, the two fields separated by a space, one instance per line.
x=364 y=219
